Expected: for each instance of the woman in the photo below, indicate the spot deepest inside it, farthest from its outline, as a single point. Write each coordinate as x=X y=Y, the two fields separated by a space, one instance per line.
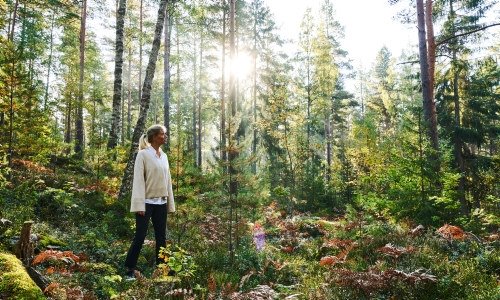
x=152 y=194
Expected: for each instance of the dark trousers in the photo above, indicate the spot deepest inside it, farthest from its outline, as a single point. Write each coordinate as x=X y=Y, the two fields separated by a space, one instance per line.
x=158 y=215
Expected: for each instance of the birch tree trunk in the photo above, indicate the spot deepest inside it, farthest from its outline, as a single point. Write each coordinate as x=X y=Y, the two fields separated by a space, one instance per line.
x=145 y=101
x=117 y=85
x=79 y=138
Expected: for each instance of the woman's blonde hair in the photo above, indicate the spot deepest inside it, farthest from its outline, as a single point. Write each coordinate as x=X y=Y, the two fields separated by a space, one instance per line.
x=146 y=138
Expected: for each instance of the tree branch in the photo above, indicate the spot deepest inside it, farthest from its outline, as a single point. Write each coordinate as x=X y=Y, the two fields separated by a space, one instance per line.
x=465 y=33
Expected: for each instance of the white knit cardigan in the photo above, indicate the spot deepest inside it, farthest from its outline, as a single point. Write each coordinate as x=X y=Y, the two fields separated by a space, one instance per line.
x=151 y=180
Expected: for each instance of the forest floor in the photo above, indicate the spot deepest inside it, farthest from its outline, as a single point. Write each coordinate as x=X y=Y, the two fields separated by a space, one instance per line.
x=82 y=234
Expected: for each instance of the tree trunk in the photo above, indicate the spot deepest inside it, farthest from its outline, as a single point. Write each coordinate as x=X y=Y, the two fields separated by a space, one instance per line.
x=122 y=117
x=14 y=19
x=328 y=137
x=428 y=103
x=117 y=85
x=129 y=96
x=145 y=101
x=24 y=247
x=254 y=96
x=431 y=49
x=179 y=108
x=193 y=110
x=94 y=112
x=79 y=138
x=233 y=151
x=291 y=169
x=200 y=101
x=11 y=94
x=457 y=142
x=49 y=64
x=141 y=12
x=67 y=132
x=166 y=77
x=223 y=151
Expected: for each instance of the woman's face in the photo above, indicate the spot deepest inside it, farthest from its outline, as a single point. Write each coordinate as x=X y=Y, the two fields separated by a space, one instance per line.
x=160 y=138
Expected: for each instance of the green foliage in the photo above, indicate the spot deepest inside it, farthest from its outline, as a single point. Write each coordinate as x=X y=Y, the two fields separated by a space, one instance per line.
x=48 y=240
x=177 y=260
x=54 y=204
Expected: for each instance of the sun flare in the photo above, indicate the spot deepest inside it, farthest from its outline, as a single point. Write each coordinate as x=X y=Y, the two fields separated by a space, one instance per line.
x=242 y=66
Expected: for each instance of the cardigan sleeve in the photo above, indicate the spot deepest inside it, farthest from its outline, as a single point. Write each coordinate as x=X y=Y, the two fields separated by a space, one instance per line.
x=171 y=202
x=138 y=185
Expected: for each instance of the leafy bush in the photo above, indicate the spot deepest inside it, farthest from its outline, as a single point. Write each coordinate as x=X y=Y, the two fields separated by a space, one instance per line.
x=53 y=205
x=177 y=261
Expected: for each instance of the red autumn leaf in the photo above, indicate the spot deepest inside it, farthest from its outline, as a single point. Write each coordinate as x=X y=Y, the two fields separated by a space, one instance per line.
x=287 y=249
x=330 y=260
x=451 y=232
x=51 y=287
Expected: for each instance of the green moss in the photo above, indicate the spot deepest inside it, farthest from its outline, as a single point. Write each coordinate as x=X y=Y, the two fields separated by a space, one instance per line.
x=48 y=240
x=15 y=282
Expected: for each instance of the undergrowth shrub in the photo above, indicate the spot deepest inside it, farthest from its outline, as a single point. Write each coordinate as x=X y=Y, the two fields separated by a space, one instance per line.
x=53 y=205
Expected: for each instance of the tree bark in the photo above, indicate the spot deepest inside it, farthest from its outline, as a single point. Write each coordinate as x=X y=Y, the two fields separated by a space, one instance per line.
x=129 y=96
x=193 y=108
x=49 y=64
x=141 y=12
x=428 y=103
x=117 y=85
x=24 y=247
x=67 y=132
x=179 y=107
x=457 y=142
x=166 y=77
x=254 y=95
x=200 y=100
x=233 y=152
x=328 y=137
x=11 y=94
x=431 y=49
x=145 y=101
x=223 y=151
x=79 y=138
x=14 y=19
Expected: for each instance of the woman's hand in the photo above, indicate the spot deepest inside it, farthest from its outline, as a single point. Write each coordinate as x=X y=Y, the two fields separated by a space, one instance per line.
x=140 y=213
